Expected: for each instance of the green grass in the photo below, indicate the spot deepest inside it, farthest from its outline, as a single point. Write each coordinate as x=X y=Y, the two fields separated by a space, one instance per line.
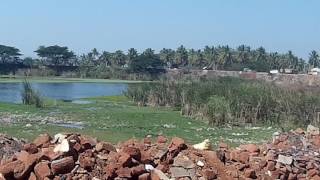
x=15 y=79
x=115 y=119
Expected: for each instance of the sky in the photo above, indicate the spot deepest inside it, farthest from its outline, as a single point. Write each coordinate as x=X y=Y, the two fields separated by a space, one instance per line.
x=277 y=25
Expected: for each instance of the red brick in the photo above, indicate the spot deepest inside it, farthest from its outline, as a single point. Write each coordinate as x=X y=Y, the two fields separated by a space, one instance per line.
x=138 y=170
x=133 y=152
x=42 y=139
x=42 y=170
x=162 y=140
x=62 y=166
x=30 y=148
x=124 y=172
x=105 y=146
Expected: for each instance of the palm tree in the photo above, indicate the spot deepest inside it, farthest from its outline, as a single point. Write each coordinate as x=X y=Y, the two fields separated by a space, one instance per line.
x=210 y=56
x=224 y=56
x=181 y=56
x=132 y=54
x=314 y=59
x=167 y=56
x=148 y=52
x=105 y=58
x=118 y=58
x=243 y=54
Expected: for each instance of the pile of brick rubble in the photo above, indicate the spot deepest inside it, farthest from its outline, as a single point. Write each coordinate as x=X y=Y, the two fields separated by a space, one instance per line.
x=291 y=155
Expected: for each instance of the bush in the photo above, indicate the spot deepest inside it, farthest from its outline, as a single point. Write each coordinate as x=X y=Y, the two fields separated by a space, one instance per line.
x=30 y=96
x=230 y=100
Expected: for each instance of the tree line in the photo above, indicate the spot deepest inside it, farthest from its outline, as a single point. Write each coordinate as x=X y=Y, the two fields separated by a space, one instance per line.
x=149 y=61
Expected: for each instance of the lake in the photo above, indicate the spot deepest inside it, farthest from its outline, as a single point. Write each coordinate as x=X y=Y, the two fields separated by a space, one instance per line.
x=11 y=92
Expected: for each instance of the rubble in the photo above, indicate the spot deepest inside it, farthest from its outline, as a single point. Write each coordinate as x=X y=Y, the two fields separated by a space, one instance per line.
x=291 y=155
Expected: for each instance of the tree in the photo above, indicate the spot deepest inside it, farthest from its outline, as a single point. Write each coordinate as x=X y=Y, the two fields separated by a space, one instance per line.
x=132 y=54
x=167 y=56
x=224 y=56
x=118 y=58
x=55 y=55
x=9 y=54
x=148 y=53
x=243 y=54
x=210 y=56
x=314 y=59
x=181 y=56
x=147 y=65
x=105 y=58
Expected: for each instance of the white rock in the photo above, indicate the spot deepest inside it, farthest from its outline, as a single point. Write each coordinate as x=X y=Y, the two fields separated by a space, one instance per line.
x=62 y=147
x=200 y=163
x=205 y=145
x=59 y=138
x=28 y=125
x=285 y=159
x=149 y=167
x=311 y=130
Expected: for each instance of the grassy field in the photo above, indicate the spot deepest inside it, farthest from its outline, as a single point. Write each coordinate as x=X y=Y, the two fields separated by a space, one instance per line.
x=116 y=119
x=15 y=79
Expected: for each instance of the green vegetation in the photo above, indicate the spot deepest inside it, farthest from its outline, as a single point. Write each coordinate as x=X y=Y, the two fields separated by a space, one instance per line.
x=116 y=119
x=231 y=101
x=30 y=96
x=58 y=60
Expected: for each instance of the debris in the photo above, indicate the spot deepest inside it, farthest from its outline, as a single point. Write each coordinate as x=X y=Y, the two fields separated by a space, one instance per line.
x=200 y=163
x=292 y=155
x=205 y=145
x=63 y=147
x=313 y=131
x=284 y=159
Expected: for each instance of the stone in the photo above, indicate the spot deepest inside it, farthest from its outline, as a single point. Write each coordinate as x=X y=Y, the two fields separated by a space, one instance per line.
x=209 y=174
x=7 y=169
x=42 y=170
x=58 y=138
x=105 y=146
x=252 y=148
x=32 y=176
x=42 y=139
x=250 y=173
x=271 y=165
x=312 y=130
x=200 y=163
x=313 y=172
x=145 y=176
x=62 y=166
x=158 y=175
x=183 y=161
x=147 y=141
x=63 y=147
x=162 y=140
x=178 y=172
x=177 y=144
x=299 y=131
x=124 y=172
x=285 y=159
x=205 y=145
x=138 y=170
x=21 y=171
x=86 y=162
x=124 y=160
x=30 y=148
x=133 y=152
x=244 y=157
x=223 y=145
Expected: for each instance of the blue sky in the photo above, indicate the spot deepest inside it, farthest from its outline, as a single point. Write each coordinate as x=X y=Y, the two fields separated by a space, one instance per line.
x=278 y=25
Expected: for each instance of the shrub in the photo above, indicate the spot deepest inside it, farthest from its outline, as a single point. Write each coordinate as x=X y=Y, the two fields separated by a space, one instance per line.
x=30 y=96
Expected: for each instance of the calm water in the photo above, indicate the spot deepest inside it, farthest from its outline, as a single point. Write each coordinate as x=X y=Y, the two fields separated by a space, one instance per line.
x=11 y=92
